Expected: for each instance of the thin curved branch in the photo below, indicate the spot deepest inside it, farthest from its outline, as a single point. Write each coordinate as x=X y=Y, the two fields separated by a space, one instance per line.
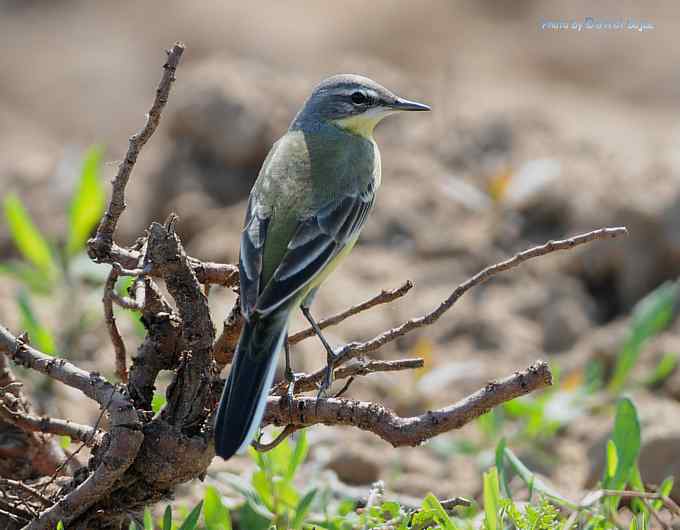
x=268 y=446
x=99 y=247
x=383 y=297
x=135 y=303
x=28 y=422
x=112 y=326
x=400 y=431
x=356 y=349
x=7 y=483
x=43 y=454
x=206 y=272
x=125 y=433
x=307 y=383
x=233 y=324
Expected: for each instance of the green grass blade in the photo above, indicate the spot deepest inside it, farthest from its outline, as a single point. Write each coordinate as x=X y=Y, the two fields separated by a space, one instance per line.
x=247 y=491
x=626 y=439
x=612 y=459
x=88 y=201
x=167 y=518
x=302 y=509
x=500 y=466
x=535 y=482
x=27 y=237
x=663 y=369
x=158 y=402
x=439 y=513
x=299 y=455
x=27 y=275
x=491 y=494
x=215 y=513
x=664 y=490
x=148 y=519
x=40 y=335
x=650 y=316
x=191 y=521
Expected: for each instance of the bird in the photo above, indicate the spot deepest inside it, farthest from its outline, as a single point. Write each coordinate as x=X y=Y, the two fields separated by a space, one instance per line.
x=304 y=214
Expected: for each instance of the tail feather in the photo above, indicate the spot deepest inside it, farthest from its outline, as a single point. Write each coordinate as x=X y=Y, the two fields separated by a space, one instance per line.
x=245 y=393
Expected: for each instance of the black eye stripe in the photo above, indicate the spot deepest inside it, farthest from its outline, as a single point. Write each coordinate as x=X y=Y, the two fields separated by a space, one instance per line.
x=359 y=98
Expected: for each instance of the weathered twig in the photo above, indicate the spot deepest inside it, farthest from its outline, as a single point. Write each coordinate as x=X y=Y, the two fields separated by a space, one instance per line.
x=233 y=324
x=383 y=297
x=125 y=433
x=307 y=383
x=7 y=483
x=189 y=392
x=23 y=453
x=137 y=302
x=206 y=272
x=112 y=327
x=355 y=349
x=411 y=431
x=225 y=345
x=159 y=350
x=268 y=446
x=76 y=431
x=100 y=246
x=595 y=496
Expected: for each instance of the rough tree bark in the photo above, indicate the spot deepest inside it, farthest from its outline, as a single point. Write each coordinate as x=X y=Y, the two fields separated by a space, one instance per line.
x=138 y=458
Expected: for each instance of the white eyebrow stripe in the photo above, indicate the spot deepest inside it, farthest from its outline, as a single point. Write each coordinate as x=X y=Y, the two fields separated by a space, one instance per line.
x=368 y=91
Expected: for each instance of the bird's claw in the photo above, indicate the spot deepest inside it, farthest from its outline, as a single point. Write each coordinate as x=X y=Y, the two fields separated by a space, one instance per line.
x=328 y=378
x=290 y=391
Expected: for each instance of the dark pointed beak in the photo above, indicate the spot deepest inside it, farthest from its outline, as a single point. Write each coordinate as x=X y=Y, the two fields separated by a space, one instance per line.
x=405 y=104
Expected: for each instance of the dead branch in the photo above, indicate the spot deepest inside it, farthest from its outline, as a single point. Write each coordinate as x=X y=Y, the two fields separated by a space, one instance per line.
x=135 y=303
x=206 y=272
x=233 y=324
x=307 y=383
x=189 y=393
x=112 y=327
x=23 y=453
x=268 y=446
x=356 y=349
x=225 y=346
x=383 y=297
x=160 y=349
x=7 y=483
x=78 y=432
x=399 y=431
x=99 y=247
x=125 y=434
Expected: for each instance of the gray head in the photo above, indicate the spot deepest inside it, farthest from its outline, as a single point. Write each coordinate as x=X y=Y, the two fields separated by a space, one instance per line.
x=351 y=102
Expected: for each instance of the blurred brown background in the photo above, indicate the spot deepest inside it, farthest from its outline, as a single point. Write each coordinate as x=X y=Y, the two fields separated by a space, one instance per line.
x=534 y=134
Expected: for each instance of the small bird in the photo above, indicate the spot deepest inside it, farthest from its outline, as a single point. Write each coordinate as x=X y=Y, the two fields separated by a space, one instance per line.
x=304 y=215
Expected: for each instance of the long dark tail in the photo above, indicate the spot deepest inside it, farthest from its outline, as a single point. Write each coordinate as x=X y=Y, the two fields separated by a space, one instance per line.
x=245 y=393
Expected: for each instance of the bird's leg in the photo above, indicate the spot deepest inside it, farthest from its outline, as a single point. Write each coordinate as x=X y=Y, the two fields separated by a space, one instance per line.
x=330 y=354
x=290 y=377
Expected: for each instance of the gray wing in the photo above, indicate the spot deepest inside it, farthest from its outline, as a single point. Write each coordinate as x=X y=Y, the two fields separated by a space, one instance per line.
x=317 y=240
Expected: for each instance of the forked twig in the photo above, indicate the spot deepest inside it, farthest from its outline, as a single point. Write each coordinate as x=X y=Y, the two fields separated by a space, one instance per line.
x=100 y=246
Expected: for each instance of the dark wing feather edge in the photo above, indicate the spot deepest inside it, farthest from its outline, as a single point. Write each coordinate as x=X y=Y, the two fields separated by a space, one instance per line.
x=317 y=240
